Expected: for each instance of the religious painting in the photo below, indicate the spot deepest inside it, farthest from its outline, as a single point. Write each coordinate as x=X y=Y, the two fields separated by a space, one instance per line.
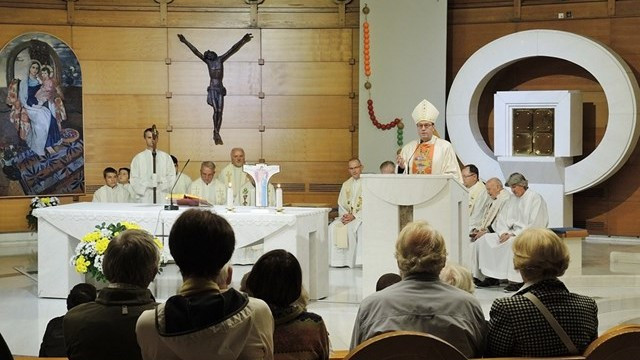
x=41 y=131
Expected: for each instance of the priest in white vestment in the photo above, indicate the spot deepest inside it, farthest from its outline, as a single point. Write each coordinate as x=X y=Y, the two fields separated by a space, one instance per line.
x=143 y=180
x=234 y=174
x=526 y=210
x=207 y=187
x=182 y=181
x=478 y=197
x=111 y=191
x=345 y=232
x=430 y=154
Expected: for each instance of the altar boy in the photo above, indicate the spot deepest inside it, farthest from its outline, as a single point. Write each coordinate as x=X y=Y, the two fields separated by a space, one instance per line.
x=111 y=191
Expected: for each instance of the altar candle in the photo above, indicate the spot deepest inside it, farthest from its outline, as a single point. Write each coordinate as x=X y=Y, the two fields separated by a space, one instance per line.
x=230 y=196
x=279 y=197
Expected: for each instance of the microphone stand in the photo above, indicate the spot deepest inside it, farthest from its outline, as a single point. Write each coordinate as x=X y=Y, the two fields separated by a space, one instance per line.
x=171 y=205
x=154 y=133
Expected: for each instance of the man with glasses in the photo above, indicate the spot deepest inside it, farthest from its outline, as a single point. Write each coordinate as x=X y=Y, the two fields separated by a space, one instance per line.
x=430 y=154
x=478 y=197
x=345 y=232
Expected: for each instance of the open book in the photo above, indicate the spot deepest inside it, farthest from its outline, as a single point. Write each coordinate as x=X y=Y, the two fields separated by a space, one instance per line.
x=190 y=200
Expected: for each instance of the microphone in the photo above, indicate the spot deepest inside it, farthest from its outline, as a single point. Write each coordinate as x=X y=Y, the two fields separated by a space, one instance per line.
x=154 y=131
x=171 y=205
x=407 y=164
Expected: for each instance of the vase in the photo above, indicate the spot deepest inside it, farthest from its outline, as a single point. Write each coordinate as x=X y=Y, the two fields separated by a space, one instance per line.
x=98 y=284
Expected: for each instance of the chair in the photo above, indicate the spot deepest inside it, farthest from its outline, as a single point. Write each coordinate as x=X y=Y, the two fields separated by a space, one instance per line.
x=405 y=345
x=618 y=343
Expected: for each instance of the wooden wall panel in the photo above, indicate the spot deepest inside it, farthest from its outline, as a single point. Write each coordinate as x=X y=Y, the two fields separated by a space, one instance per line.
x=193 y=112
x=133 y=111
x=192 y=78
x=307 y=145
x=625 y=36
x=305 y=20
x=209 y=19
x=331 y=78
x=124 y=77
x=112 y=17
x=622 y=218
x=306 y=112
x=9 y=32
x=199 y=146
x=597 y=29
x=33 y=16
x=120 y=44
x=118 y=145
x=218 y=40
x=318 y=172
x=306 y=44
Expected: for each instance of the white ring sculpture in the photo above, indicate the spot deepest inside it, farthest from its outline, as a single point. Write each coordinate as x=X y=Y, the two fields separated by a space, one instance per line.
x=609 y=69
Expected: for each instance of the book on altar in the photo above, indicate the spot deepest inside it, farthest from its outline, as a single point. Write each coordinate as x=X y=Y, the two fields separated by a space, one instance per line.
x=190 y=200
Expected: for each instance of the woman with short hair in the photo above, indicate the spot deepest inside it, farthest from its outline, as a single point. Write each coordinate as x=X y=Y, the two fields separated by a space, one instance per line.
x=276 y=278
x=517 y=327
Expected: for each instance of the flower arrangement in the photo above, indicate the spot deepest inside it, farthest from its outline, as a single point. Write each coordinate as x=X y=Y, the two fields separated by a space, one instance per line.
x=90 y=251
x=37 y=203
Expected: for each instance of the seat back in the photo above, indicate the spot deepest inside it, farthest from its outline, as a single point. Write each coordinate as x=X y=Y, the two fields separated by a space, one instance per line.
x=618 y=343
x=405 y=345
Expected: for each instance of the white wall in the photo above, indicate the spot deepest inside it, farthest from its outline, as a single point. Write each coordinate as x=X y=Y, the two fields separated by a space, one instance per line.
x=408 y=64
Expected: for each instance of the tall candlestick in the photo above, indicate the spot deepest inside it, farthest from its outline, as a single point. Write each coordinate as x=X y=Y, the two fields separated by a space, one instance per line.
x=230 y=196
x=278 y=198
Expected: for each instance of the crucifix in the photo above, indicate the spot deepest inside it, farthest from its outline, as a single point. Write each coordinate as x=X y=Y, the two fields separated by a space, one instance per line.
x=261 y=173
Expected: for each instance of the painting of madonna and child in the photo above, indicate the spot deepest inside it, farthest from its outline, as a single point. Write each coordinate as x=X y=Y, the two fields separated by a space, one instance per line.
x=41 y=137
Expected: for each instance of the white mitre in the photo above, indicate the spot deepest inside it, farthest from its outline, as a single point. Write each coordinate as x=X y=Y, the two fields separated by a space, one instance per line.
x=425 y=111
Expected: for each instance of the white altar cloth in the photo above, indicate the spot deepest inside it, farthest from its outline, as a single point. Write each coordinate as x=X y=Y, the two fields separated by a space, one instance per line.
x=301 y=231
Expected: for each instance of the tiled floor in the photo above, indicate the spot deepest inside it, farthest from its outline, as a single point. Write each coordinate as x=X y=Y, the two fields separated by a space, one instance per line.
x=612 y=267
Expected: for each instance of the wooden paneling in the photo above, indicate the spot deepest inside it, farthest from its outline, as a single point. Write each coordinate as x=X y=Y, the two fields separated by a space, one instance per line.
x=625 y=36
x=193 y=112
x=306 y=112
x=307 y=144
x=33 y=16
x=124 y=77
x=218 y=40
x=306 y=44
x=146 y=17
x=120 y=44
x=199 y=146
x=133 y=111
x=331 y=78
x=192 y=78
x=118 y=145
x=622 y=218
x=597 y=29
x=209 y=19
x=305 y=20
x=322 y=172
x=9 y=32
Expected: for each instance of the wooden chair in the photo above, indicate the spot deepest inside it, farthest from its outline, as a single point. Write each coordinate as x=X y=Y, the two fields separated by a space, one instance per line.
x=618 y=343
x=405 y=345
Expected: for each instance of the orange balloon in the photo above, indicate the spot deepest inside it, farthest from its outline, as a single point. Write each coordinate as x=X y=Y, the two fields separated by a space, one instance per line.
x=365 y=24
x=367 y=57
x=366 y=47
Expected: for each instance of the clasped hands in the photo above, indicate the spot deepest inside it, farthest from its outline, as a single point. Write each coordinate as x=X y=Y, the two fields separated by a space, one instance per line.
x=477 y=234
x=347 y=218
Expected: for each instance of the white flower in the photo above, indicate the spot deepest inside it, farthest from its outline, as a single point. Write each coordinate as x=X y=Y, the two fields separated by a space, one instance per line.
x=98 y=262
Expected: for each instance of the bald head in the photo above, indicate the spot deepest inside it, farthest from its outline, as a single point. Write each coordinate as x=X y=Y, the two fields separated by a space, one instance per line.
x=493 y=186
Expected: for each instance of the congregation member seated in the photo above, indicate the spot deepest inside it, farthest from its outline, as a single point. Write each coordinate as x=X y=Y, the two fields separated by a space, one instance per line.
x=387 y=280
x=182 y=183
x=53 y=339
x=207 y=186
x=105 y=329
x=276 y=278
x=123 y=179
x=458 y=276
x=478 y=197
x=345 y=232
x=421 y=301
x=517 y=326
x=201 y=322
x=525 y=210
x=387 y=167
x=111 y=191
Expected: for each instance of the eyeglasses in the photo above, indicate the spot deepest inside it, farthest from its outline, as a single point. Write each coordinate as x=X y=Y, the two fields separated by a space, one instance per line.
x=466 y=176
x=425 y=125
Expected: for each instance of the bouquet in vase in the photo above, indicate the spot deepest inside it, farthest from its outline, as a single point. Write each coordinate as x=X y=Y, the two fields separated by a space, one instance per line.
x=37 y=203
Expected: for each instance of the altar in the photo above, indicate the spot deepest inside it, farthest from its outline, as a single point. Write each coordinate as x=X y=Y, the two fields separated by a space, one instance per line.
x=301 y=231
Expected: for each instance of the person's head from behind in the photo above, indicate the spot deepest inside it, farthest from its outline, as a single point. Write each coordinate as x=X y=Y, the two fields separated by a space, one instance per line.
x=539 y=254
x=420 y=249
x=201 y=243
x=207 y=171
x=276 y=278
x=80 y=294
x=123 y=175
x=458 y=276
x=131 y=258
x=110 y=177
x=387 y=280
x=387 y=167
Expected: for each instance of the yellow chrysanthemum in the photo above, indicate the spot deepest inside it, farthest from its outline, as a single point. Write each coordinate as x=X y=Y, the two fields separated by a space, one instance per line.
x=129 y=225
x=92 y=236
x=46 y=200
x=158 y=243
x=101 y=245
x=82 y=264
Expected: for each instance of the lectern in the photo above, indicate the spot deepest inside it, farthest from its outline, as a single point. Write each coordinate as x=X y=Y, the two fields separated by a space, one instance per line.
x=391 y=201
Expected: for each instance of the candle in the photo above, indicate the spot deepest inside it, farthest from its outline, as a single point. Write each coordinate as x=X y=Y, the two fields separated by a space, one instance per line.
x=279 y=197
x=230 y=196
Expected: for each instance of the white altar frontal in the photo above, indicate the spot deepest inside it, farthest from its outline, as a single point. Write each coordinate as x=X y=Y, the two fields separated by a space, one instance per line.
x=301 y=231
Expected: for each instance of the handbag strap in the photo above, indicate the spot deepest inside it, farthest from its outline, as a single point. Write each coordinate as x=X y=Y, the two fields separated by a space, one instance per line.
x=553 y=322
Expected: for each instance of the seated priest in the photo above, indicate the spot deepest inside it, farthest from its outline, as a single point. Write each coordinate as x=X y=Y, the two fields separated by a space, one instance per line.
x=478 y=197
x=345 y=232
x=430 y=154
x=208 y=187
x=111 y=191
x=524 y=210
